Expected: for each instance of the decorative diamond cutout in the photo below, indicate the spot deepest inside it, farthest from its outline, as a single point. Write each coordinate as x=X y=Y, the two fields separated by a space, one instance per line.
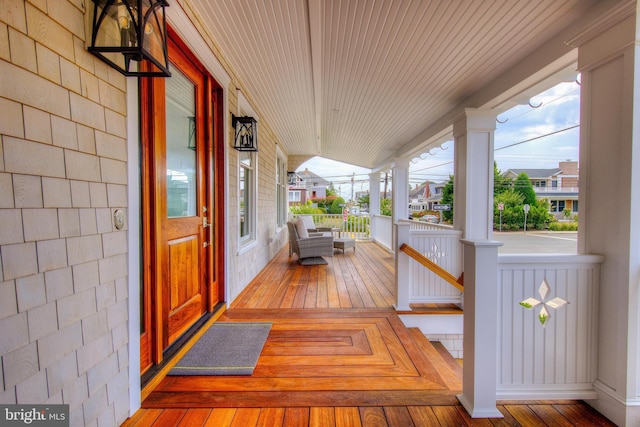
x=555 y=303
x=434 y=253
x=544 y=289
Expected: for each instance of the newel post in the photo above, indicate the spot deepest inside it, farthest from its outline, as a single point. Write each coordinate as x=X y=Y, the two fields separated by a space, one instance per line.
x=402 y=268
x=479 y=371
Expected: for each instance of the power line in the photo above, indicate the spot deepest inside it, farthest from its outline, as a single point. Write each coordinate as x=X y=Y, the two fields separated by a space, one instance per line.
x=537 y=137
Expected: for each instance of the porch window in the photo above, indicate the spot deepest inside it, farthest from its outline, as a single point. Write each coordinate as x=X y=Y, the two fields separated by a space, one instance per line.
x=281 y=190
x=247 y=196
x=574 y=206
x=561 y=205
x=294 y=196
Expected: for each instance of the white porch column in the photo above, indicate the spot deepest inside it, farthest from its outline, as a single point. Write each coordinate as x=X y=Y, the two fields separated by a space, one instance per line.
x=400 y=189
x=374 y=201
x=480 y=329
x=473 y=173
x=609 y=210
x=473 y=214
x=374 y=193
x=403 y=281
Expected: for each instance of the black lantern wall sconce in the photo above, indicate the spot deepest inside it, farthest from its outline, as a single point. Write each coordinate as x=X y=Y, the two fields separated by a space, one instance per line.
x=131 y=30
x=246 y=133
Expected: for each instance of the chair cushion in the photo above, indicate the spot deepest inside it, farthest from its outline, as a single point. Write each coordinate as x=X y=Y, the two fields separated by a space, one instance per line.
x=308 y=222
x=301 y=228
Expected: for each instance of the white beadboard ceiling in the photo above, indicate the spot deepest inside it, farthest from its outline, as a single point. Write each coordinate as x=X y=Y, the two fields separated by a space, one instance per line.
x=360 y=80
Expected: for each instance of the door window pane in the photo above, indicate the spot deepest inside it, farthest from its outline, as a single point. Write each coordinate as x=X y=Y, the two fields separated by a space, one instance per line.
x=181 y=145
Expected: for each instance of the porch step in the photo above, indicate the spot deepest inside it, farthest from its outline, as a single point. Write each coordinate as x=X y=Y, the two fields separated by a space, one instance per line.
x=447 y=367
x=432 y=308
x=454 y=364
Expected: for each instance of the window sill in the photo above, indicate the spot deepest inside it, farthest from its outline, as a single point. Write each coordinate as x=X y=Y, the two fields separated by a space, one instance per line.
x=247 y=245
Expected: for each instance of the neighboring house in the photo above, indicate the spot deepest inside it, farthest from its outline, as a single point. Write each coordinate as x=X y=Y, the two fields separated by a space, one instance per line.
x=306 y=185
x=425 y=196
x=557 y=185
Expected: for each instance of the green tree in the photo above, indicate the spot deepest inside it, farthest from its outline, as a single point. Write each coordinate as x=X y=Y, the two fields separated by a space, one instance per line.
x=335 y=207
x=330 y=191
x=447 y=199
x=364 y=200
x=385 y=207
x=522 y=185
x=307 y=209
x=500 y=182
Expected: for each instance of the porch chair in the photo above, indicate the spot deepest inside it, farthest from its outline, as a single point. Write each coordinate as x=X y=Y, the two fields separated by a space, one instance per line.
x=310 y=248
x=308 y=223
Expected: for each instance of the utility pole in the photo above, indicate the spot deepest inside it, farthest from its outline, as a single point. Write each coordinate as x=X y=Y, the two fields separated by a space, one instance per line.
x=386 y=181
x=352 y=183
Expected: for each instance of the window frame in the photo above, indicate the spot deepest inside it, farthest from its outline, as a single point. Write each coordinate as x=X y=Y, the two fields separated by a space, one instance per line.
x=250 y=197
x=282 y=188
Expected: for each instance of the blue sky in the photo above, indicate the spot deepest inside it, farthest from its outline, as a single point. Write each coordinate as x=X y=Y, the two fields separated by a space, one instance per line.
x=527 y=138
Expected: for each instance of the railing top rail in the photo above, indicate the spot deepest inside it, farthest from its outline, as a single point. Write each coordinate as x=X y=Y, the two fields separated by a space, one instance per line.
x=504 y=259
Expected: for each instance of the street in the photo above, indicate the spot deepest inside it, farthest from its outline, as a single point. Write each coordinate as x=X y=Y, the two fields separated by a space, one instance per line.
x=518 y=242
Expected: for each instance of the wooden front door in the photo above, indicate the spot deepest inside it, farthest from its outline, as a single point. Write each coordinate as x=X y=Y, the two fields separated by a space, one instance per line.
x=180 y=235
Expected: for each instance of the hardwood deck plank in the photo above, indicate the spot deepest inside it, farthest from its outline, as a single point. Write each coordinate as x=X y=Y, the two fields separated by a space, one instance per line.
x=343 y=271
x=143 y=418
x=370 y=277
x=296 y=417
x=583 y=413
x=275 y=291
x=322 y=416
x=290 y=292
x=433 y=363
x=373 y=417
x=301 y=288
x=398 y=416
x=347 y=417
x=423 y=416
x=169 y=417
x=246 y=417
x=333 y=294
x=551 y=416
x=221 y=417
x=271 y=417
x=475 y=422
x=448 y=416
x=524 y=415
x=266 y=399
x=195 y=417
x=322 y=300
x=507 y=421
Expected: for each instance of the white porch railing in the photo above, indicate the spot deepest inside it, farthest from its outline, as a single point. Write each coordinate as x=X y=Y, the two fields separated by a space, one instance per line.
x=382 y=230
x=556 y=360
x=421 y=225
x=356 y=227
x=442 y=246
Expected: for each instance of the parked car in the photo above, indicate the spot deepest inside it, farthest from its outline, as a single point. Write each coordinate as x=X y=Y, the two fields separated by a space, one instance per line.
x=430 y=218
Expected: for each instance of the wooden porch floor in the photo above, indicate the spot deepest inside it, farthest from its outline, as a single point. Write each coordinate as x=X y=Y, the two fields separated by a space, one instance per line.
x=337 y=355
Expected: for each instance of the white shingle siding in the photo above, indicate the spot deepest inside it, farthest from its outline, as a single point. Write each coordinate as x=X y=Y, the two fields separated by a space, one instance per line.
x=63 y=268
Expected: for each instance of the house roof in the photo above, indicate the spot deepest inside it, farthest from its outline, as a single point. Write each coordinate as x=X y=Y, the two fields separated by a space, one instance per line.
x=534 y=173
x=419 y=191
x=311 y=178
x=366 y=82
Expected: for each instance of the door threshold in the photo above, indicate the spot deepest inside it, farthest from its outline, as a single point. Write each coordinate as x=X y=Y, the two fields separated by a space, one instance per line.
x=150 y=379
